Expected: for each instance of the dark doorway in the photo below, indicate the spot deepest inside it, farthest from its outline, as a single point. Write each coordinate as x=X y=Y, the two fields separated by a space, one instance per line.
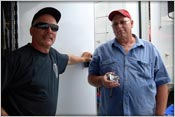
x=9 y=33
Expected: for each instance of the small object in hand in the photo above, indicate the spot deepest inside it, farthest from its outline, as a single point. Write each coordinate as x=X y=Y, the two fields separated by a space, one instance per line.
x=113 y=77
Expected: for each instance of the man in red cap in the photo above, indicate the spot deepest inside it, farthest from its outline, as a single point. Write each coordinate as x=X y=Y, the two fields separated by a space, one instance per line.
x=137 y=84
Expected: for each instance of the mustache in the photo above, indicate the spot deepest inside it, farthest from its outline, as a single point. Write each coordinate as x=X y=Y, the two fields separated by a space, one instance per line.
x=48 y=36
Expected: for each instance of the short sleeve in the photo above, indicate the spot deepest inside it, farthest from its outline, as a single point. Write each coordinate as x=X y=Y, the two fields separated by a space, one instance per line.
x=62 y=62
x=94 y=64
x=160 y=73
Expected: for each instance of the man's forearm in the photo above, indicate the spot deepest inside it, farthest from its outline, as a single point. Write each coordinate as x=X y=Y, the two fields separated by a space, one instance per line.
x=161 y=100
x=85 y=57
x=95 y=80
x=75 y=59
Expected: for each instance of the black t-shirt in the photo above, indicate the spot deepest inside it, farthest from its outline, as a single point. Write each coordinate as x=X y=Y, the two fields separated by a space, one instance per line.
x=30 y=81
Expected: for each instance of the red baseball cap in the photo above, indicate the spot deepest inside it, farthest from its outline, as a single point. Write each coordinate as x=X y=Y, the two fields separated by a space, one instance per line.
x=120 y=11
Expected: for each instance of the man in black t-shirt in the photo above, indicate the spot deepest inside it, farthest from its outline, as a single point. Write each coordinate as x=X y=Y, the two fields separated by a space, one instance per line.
x=30 y=75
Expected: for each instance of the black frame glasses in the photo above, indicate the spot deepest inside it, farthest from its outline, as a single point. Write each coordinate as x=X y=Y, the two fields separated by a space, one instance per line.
x=43 y=25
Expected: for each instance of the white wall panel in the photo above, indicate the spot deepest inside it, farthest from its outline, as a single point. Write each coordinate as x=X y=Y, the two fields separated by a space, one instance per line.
x=101 y=9
x=100 y=24
x=100 y=39
x=162 y=35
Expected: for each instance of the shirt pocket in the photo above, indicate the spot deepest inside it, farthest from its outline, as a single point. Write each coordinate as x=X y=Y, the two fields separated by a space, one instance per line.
x=108 y=65
x=142 y=67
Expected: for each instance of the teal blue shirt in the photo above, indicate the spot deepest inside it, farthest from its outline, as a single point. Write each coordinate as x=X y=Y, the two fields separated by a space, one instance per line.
x=141 y=71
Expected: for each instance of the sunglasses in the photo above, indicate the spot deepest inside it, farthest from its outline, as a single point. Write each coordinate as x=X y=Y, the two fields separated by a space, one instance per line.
x=42 y=25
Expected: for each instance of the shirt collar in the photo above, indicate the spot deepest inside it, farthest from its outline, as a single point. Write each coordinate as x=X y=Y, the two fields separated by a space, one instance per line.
x=138 y=42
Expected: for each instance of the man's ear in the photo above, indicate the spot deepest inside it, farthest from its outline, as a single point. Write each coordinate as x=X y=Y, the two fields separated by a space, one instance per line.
x=31 y=31
x=132 y=23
